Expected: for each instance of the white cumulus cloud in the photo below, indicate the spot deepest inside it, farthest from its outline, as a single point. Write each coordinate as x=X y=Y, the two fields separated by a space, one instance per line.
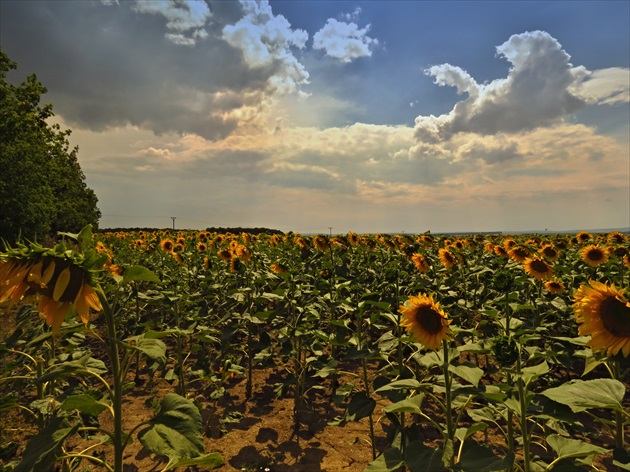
x=344 y=41
x=265 y=41
x=187 y=17
x=538 y=91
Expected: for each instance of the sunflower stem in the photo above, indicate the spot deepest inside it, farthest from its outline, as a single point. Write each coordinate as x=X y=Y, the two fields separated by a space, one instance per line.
x=117 y=397
x=448 y=380
x=619 y=419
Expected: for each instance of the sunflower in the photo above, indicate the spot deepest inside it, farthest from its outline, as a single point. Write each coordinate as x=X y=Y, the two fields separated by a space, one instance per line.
x=594 y=255
x=181 y=241
x=447 y=257
x=583 y=236
x=421 y=262
x=167 y=245
x=225 y=254
x=603 y=313
x=178 y=257
x=616 y=238
x=425 y=321
x=500 y=251
x=303 y=243
x=554 y=286
x=626 y=261
x=549 y=252
x=537 y=268
x=201 y=247
x=243 y=252
x=509 y=244
x=206 y=263
x=518 y=253
x=321 y=243
x=61 y=285
x=354 y=238
x=279 y=268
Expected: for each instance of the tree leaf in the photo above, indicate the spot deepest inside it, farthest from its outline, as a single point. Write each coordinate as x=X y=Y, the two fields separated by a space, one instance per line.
x=581 y=395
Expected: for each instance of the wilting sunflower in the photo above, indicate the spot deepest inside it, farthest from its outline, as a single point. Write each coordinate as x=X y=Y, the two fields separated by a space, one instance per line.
x=302 y=243
x=554 y=286
x=518 y=253
x=420 y=262
x=354 y=238
x=243 y=252
x=61 y=284
x=178 y=257
x=321 y=243
x=594 y=255
x=167 y=245
x=447 y=257
x=206 y=263
x=537 y=268
x=425 y=321
x=603 y=313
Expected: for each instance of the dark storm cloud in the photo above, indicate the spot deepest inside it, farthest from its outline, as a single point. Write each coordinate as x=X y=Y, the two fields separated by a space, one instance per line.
x=109 y=65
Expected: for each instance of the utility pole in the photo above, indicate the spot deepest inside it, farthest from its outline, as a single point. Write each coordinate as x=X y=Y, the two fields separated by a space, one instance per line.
x=173 y=218
x=330 y=230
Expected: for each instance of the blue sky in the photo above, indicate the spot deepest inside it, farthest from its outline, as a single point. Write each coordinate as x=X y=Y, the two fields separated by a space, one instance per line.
x=365 y=116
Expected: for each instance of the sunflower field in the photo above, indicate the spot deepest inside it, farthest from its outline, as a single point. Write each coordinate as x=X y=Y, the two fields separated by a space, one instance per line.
x=483 y=352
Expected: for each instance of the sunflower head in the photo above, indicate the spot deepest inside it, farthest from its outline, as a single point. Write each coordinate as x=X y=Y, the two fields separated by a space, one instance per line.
x=594 y=255
x=420 y=262
x=447 y=258
x=61 y=278
x=603 y=313
x=537 y=268
x=554 y=286
x=549 y=252
x=583 y=236
x=167 y=245
x=425 y=321
x=518 y=253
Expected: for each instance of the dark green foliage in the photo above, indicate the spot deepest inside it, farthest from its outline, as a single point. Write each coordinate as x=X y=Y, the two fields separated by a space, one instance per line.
x=42 y=187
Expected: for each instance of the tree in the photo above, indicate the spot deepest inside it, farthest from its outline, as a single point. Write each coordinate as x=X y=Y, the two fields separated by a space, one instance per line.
x=42 y=187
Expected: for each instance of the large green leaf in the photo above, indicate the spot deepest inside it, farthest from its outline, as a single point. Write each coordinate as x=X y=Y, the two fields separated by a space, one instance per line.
x=390 y=460
x=468 y=373
x=64 y=369
x=208 y=461
x=581 y=395
x=139 y=274
x=408 y=405
x=476 y=458
x=153 y=348
x=359 y=407
x=44 y=448
x=566 y=447
x=83 y=403
x=175 y=432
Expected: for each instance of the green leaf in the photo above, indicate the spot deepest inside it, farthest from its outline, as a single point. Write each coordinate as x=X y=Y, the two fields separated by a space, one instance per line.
x=464 y=433
x=211 y=461
x=566 y=447
x=359 y=407
x=139 y=274
x=470 y=374
x=421 y=458
x=405 y=384
x=44 y=448
x=532 y=373
x=389 y=461
x=175 y=432
x=153 y=348
x=581 y=395
x=67 y=368
x=408 y=405
x=476 y=458
x=84 y=403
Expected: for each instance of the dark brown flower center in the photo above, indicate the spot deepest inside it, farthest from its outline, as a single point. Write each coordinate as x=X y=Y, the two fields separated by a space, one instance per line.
x=595 y=255
x=615 y=316
x=429 y=319
x=539 y=266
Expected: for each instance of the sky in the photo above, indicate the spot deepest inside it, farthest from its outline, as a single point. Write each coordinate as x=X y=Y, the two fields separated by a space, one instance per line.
x=376 y=116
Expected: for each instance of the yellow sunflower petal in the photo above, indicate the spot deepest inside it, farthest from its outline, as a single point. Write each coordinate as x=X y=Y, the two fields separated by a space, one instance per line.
x=62 y=283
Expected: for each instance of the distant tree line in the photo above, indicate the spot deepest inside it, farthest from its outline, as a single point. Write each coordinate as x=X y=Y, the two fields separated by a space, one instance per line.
x=42 y=187
x=221 y=230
